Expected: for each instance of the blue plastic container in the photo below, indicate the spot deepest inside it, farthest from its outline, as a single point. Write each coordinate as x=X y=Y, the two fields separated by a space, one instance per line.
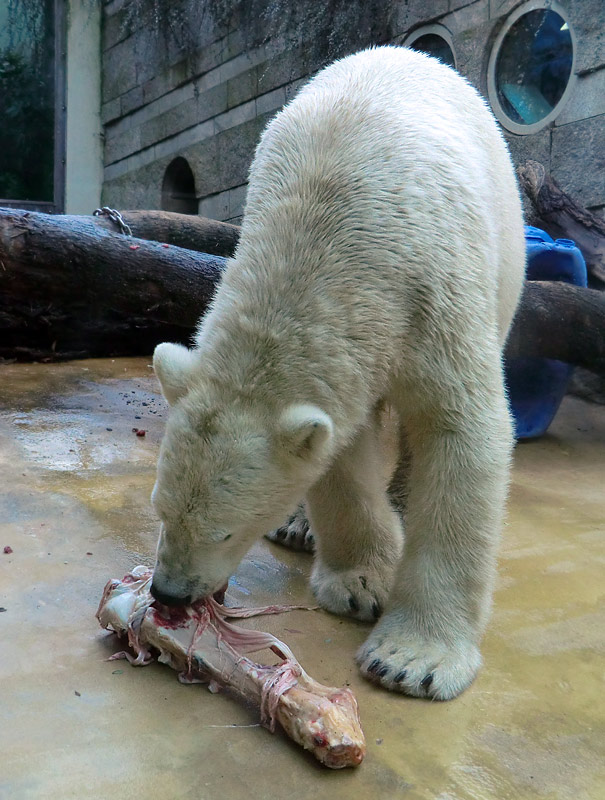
x=536 y=386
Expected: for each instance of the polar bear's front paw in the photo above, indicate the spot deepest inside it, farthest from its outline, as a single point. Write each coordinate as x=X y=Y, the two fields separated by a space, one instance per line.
x=359 y=593
x=402 y=661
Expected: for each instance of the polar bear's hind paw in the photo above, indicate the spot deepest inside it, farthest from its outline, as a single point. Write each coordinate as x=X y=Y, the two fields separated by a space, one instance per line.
x=295 y=534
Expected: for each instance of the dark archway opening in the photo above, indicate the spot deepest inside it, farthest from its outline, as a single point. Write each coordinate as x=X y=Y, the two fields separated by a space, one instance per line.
x=178 y=188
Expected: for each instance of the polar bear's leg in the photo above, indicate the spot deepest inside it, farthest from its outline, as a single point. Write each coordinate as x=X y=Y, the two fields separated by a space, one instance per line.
x=295 y=533
x=358 y=535
x=426 y=643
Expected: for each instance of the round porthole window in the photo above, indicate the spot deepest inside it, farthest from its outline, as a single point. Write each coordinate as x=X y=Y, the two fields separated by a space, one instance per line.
x=434 y=40
x=530 y=67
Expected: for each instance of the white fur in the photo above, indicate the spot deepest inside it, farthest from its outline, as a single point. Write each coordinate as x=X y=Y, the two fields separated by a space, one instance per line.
x=175 y=367
x=380 y=262
x=307 y=431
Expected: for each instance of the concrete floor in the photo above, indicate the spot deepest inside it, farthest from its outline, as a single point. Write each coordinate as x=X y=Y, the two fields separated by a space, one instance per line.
x=74 y=507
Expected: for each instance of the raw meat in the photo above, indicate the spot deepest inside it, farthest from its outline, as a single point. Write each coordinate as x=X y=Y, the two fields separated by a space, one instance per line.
x=205 y=647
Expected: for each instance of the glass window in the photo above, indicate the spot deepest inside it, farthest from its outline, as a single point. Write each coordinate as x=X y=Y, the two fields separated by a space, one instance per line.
x=27 y=101
x=530 y=69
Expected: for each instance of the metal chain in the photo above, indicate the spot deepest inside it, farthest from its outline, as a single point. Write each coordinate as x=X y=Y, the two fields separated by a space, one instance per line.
x=115 y=217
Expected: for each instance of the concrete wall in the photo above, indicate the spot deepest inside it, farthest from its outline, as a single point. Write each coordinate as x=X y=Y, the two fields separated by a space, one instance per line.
x=208 y=95
x=84 y=142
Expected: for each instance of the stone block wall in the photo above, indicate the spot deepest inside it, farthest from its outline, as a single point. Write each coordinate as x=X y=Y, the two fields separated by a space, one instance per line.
x=203 y=82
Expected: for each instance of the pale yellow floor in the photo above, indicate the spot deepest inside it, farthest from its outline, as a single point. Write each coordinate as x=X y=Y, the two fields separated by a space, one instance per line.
x=74 y=506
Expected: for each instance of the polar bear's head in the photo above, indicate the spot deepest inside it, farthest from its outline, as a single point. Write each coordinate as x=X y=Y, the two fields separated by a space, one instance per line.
x=230 y=470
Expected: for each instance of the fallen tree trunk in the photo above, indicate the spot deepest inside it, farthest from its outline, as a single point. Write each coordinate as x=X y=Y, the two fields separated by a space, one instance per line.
x=549 y=208
x=561 y=321
x=70 y=288
x=183 y=230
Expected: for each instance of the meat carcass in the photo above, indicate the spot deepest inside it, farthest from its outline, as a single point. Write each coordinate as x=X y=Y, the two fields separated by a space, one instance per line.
x=204 y=646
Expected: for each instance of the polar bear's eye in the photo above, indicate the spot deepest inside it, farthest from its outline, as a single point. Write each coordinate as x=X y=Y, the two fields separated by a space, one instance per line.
x=218 y=537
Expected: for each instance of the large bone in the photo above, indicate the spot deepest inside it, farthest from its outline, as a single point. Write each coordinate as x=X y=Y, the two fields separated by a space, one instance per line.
x=203 y=646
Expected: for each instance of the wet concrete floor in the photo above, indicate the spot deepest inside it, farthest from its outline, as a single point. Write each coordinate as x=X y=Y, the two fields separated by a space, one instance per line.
x=74 y=508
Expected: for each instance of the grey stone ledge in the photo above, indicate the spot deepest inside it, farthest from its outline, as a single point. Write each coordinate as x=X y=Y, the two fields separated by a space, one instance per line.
x=233 y=118
x=215 y=76
x=216 y=206
x=271 y=100
x=578 y=159
x=111 y=110
x=587 y=99
x=237 y=200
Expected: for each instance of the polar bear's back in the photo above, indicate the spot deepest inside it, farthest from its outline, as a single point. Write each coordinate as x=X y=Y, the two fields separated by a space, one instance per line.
x=391 y=115
x=396 y=145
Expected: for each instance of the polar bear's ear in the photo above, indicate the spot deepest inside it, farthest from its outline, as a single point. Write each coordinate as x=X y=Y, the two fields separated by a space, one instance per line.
x=306 y=431
x=174 y=365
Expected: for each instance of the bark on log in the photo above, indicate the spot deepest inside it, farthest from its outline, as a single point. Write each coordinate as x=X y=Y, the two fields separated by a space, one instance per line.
x=558 y=320
x=549 y=208
x=183 y=230
x=71 y=289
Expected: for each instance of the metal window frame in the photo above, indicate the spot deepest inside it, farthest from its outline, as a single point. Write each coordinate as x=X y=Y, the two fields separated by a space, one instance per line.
x=57 y=205
x=492 y=83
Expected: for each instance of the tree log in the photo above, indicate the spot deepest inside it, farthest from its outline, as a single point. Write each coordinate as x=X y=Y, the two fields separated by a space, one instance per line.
x=557 y=213
x=183 y=230
x=561 y=321
x=70 y=288
x=549 y=208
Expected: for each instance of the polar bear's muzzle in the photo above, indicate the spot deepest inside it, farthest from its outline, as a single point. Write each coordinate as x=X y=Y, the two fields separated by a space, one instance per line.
x=168 y=599
x=182 y=593
x=174 y=587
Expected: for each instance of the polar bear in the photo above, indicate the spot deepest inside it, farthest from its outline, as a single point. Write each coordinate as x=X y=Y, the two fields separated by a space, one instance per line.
x=380 y=264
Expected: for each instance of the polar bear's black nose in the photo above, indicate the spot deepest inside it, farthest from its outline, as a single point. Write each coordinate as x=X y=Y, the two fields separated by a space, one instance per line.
x=168 y=599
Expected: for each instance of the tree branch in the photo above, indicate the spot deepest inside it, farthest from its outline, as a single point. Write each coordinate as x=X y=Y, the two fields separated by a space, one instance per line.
x=71 y=288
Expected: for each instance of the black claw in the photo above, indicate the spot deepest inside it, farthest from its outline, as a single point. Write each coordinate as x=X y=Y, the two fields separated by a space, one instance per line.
x=374 y=665
x=382 y=672
x=353 y=604
x=281 y=533
x=400 y=676
x=363 y=581
x=426 y=682
x=376 y=610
